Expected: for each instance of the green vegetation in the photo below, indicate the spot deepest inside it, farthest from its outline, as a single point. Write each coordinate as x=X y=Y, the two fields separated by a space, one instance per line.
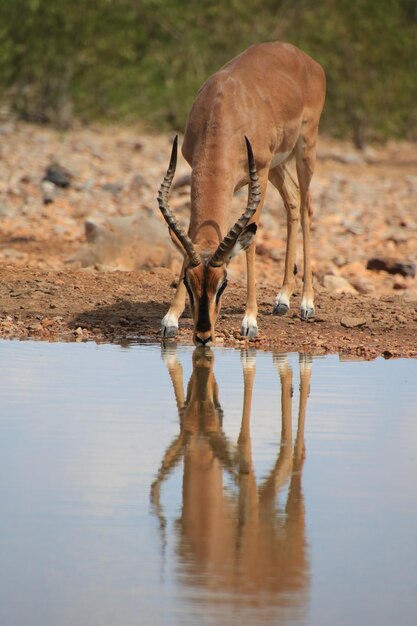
x=126 y=60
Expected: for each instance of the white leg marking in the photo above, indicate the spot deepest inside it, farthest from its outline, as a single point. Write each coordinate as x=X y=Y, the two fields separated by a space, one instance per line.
x=280 y=360
x=248 y=358
x=169 y=325
x=249 y=326
x=169 y=355
x=282 y=304
x=307 y=308
x=306 y=363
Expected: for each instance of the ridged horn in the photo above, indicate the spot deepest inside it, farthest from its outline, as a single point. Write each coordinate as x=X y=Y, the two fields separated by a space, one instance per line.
x=230 y=239
x=185 y=240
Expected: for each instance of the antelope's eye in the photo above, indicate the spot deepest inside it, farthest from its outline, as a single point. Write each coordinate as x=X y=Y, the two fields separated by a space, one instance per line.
x=222 y=288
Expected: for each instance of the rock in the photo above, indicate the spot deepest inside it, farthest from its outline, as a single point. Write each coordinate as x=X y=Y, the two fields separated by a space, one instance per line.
x=400 y=283
x=128 y=243
x=362 y=285
x=48 y=190
x=392 y=266
x=337 y=285
x=58 y=175
x=138 y=183
x=6 y=211
x=353 y=322
x=182 y=181
x=11 y=254
x=347 y=158
x=112 y=187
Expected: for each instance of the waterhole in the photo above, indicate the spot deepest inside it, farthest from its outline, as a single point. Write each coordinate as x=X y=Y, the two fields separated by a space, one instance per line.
x=154 y=486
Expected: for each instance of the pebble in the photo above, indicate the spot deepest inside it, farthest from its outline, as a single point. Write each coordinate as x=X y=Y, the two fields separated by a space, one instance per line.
x=338 y=285
x=353 y=322
x=392 y=266
x=58 y=175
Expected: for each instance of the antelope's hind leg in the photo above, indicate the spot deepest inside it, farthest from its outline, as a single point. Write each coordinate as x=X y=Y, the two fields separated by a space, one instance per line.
x=288 y=189
x=305 y=161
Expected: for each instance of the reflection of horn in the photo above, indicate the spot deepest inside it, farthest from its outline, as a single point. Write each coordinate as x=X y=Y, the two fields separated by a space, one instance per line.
x=225 y=246
x=188 y=245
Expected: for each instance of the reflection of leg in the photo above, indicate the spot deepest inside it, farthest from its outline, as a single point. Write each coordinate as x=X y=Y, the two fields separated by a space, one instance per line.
x=248 y=497
x=278 y=176
x=305 y=376
x=285 y=373
x=248 y=358
x=169 y=322
x=174 y=367
x=282 y=467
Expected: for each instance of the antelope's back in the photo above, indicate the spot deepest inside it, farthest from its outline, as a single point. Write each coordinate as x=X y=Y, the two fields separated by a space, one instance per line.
x=265 y=87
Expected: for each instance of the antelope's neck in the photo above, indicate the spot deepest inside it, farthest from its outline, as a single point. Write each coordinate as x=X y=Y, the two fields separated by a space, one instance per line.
x=212 y=186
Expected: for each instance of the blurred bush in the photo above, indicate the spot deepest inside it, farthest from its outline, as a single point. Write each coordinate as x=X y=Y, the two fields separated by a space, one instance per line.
x=124 y=60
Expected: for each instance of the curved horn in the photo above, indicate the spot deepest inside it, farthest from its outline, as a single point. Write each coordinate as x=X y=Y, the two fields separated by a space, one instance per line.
x=230 y=239
x=166 y=211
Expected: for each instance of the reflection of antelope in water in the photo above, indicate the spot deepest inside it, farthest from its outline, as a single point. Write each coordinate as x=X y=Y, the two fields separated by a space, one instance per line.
x=240 y=543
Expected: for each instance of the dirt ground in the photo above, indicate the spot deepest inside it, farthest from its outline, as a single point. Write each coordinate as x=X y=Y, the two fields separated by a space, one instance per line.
x=113 y=279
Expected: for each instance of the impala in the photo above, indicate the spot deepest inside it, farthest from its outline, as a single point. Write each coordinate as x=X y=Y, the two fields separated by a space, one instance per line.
x=270 y=98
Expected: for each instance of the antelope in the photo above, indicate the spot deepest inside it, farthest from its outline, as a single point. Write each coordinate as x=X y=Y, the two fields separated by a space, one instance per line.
x=270 y=99
x=238 y=541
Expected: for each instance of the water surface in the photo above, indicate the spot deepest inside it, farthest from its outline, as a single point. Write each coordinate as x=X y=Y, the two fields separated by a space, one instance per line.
x=141 y=486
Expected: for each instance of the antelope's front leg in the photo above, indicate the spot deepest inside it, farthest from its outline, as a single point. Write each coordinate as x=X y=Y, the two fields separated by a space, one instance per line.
x=169 y=323
x=249 y=327
x=249 y=324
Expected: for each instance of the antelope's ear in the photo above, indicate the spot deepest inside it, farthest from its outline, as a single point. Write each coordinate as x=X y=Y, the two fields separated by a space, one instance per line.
x=177 y=242
x=244 y=240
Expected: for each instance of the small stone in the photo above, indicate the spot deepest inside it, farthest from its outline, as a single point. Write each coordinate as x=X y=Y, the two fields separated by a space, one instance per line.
x=48 y=189
x=392 y=266
x=6 y=211
x=112 y=187
x=58 y=175
x=353 y=322
x=182 y=181
x=362 y=285
x=337 y=284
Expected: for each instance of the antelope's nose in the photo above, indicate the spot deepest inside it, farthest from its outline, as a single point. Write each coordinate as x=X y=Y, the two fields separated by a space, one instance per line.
x=203 y=339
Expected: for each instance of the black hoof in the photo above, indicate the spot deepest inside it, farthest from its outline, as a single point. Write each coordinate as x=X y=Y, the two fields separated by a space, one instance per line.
x=169 y=331
x=280 y=309
x=307 y=313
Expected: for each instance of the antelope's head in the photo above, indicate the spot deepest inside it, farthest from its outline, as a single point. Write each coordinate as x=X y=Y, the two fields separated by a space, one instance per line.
x=205 y=273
